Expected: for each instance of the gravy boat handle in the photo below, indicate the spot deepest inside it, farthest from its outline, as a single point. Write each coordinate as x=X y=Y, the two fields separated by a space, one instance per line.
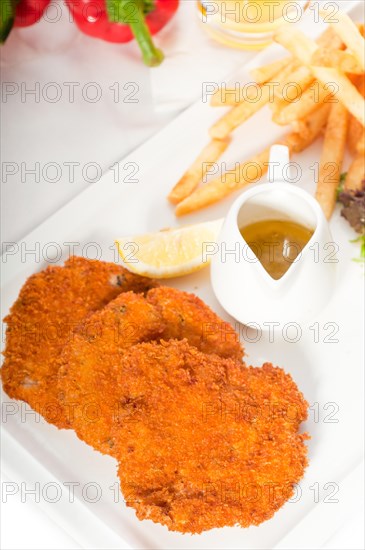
x=279 y=164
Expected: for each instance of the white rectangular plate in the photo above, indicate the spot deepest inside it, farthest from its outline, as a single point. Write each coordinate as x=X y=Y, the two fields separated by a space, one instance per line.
x=326 y=362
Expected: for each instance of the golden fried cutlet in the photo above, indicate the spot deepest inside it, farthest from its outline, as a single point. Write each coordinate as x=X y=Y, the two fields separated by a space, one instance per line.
x=88 y=361
x=186 y=316
x=205 y=442
x=50 y=306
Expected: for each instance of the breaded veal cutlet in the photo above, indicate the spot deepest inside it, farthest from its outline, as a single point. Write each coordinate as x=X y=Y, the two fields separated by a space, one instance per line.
x=205 y=442
x=51 y=305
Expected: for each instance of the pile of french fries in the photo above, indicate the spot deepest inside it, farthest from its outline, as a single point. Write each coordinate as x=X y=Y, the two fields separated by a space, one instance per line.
x=329 y=77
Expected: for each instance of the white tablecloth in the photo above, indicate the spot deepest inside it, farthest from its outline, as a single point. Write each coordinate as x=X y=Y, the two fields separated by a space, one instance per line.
x=71 y=140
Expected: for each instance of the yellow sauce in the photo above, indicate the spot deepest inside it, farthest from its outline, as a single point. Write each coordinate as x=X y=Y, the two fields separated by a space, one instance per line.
x=276 y=243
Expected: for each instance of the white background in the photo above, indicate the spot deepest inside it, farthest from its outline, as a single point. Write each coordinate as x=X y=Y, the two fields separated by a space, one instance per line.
x=102 y=133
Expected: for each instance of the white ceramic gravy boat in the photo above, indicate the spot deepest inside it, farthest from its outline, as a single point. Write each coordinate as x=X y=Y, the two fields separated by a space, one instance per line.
x=242 y=285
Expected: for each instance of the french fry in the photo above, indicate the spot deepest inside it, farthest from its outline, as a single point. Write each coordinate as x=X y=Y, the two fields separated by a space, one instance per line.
x=225 y=97
x=311 y=127
x=342 y=60
x=257 y=98
x=301 y=77
x=332 y=158
x=247 y=172
x=361 y=144
x=239 y=114
x=277 y=106
x=356 y=132
x=329 y=39
x=349 y=33
x=310 y=100
x=356 y=173
x=303 y=48
x=306 y=127
x=346 y=91
x=196 y=172
x=228 y=96
x=265 y=73
x=356 y=137
x=360 y=84
x=222 y=186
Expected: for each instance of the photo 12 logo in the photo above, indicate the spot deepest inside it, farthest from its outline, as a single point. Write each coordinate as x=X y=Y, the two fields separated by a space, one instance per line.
x=267 y=11
x=69 y=92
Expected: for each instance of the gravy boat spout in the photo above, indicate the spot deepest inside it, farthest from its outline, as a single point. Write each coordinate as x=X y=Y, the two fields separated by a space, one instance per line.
x=240 y=282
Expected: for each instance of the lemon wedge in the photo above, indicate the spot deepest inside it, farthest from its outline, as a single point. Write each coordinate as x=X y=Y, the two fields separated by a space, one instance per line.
x=170 y=252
